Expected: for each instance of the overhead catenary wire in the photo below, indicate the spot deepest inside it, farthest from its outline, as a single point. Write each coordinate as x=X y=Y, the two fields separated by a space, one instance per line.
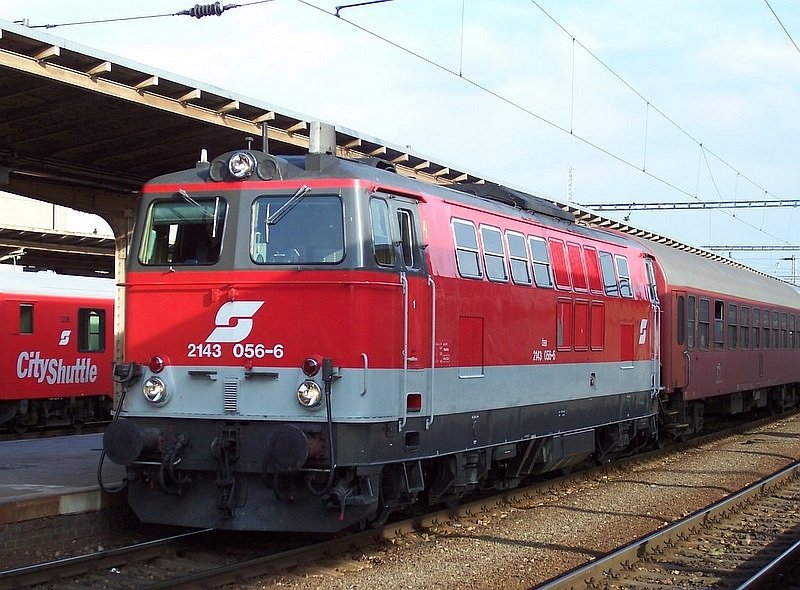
x=197 y=11
x=649 y=105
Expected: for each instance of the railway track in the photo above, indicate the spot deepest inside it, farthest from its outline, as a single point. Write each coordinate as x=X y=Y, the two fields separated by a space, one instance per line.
x=744 y=541
x=183 y=562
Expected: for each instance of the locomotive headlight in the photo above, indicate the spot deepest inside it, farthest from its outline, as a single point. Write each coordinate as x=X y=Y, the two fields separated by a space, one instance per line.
x=155 y=391
x=241 y=165
x=309 y=394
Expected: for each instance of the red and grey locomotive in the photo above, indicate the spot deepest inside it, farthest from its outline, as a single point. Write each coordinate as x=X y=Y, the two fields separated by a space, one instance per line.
x=313 y=342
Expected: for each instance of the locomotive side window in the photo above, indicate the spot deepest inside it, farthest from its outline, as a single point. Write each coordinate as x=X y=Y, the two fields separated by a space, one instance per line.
x=494 y=256
x=703 y=324
x=559 y=257
x=719 y=324
x=186 y=231
x=744 y=323
x=541 y=262
x=624 y=276
x=518 y=257
x=577 y=267
x=609 y=275
x=382 y=244
x=25 y=318
x=408 y=240
x=733 y=327
x=691 y=323
x=297 y=229
x=756 y=328
x=467 y=253
x=91 y=330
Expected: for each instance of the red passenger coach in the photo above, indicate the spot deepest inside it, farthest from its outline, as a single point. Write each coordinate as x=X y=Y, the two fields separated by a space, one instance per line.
x=313 y=343
x=56 y=349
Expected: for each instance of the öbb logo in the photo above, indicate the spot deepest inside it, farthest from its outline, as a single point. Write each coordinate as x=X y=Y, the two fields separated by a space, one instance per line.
x=234 y=321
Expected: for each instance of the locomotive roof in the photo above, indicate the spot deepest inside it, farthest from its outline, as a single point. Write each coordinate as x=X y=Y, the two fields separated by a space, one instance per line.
x=49 y=283
x=685 y=269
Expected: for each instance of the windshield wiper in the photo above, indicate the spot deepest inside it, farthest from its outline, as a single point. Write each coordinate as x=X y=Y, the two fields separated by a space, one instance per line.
x=293 y=201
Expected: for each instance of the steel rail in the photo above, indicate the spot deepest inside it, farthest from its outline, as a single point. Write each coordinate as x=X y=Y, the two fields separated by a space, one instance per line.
x=591 y=574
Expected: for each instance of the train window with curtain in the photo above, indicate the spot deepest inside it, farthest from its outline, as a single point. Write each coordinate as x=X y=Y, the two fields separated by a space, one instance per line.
x=691 y=323
x=703 y=323
x=756 y=328
x=624 y=275
x=382 y=243
x=467 y=253
x=518 y=258
x=577 y=267
x=609 y=275
x=558 y=255
x=744 y=325
x=541 y=262
x=494 y=255
x=91 y=330
x=26 y=318
x=719 y=324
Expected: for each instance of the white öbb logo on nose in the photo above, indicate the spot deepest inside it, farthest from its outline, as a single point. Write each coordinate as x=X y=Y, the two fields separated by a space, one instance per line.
x=234 y=321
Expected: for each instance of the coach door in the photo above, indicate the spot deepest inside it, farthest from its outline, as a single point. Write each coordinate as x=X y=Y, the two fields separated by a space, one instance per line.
x=416 y=309
x=655 y=322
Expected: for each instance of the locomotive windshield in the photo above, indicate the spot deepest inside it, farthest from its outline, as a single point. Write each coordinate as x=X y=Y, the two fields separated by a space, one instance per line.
x=186 y=231
x=295 y=229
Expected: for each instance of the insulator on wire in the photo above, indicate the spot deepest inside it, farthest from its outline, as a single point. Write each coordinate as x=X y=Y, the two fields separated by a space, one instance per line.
x=201 y=10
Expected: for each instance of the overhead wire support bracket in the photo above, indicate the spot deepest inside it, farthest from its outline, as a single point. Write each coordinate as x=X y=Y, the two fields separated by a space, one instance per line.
x=356 y=5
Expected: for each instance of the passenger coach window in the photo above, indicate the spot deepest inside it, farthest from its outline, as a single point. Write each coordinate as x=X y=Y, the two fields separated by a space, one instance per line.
x=784 y=330
x=609 y=274
x=765 y=325
x=467 y=253
x=518 y=255
x=744 y=323
x=91 y=330
x=791 y=332
x=733 y=328
x=776 y=337
x=296 y=229
x=186 y=231
x=494 y=255
x=541 y=262
x=691 y=323
x=756 y=329
x=25 y=318
x=719 y=324
x=703 y=324
x=382 y=243
x=681 y=331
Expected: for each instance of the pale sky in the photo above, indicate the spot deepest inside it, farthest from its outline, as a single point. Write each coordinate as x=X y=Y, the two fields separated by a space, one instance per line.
x=530 y=104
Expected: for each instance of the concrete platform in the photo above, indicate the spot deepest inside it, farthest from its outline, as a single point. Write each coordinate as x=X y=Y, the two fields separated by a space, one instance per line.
x=54 y=476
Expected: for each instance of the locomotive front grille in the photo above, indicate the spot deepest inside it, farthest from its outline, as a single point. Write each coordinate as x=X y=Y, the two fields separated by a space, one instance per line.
x=230 y=395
